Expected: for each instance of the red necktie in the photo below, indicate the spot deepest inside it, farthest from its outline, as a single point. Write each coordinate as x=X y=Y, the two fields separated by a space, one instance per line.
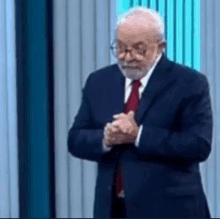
x=132 y=104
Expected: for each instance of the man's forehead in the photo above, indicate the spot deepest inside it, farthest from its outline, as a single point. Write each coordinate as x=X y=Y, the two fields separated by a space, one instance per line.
x=131 y=33
x=133 y=29
x=144 y=21
x=135 y=25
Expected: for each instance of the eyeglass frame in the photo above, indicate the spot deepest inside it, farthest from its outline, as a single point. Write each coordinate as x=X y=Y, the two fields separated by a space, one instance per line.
x=126 y=50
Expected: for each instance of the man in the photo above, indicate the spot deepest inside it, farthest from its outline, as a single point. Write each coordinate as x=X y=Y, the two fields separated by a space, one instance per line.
x=147 y=121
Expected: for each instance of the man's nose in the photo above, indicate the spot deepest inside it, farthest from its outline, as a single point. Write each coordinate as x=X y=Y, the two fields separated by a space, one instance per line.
x=128 y=56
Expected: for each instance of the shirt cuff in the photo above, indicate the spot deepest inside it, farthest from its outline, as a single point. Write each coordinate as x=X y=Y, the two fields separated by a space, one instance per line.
x=138 y=136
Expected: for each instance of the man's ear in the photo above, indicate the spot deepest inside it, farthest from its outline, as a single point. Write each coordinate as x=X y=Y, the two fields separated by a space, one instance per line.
x=162 y=45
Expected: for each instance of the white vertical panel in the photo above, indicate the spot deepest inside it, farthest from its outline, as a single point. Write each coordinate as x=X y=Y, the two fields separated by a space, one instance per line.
x=210 y=72
x=82 y=36
x=12 y=109
x=162 y=10
x=217 y=107
x=113 y=21
x=170 y=29
x=210 y=45
x=203 y=166
x=102 y=33
x=88 y=66
x=145 y=3
x=135 y=3
x=188 y=33
x=9 y=207
x=61 y=128
x=74 y=99
x=4 y=152
x=153 y=4
x=197 y=35
x=179 y=32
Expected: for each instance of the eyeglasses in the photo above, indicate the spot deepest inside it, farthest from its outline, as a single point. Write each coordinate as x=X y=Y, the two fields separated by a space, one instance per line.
x=138 y=49
x=119 y=48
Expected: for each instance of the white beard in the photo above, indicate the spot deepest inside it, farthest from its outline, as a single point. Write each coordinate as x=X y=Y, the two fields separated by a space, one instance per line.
x=134 y=74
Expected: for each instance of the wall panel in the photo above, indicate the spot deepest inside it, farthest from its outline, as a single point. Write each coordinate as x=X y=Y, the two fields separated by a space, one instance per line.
x=4 y=158
x=209 y=47
x=12 y=118
x=82 y=36
x=9 y=203
x=60 y=102
x=74 y=54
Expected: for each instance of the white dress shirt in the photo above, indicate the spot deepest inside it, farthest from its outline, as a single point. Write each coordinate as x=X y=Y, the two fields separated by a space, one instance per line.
x=128 y=88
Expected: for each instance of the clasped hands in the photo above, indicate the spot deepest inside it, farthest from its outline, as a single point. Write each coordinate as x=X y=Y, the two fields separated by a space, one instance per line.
x=123 y=130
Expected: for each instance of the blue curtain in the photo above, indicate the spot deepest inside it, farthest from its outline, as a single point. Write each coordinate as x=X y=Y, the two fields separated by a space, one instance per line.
x=34 y=103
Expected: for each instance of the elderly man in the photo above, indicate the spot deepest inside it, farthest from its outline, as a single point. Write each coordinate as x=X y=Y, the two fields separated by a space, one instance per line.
x=147 y=121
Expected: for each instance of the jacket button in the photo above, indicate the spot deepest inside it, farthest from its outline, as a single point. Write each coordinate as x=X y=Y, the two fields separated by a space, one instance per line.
x=109 y=187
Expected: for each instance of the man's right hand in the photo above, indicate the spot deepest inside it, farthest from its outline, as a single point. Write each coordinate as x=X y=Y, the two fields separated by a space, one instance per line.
x=118 y=138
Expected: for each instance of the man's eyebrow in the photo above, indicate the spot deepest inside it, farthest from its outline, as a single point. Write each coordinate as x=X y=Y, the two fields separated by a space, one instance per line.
x=139 y=42
x=123 y=42
x=134 y=44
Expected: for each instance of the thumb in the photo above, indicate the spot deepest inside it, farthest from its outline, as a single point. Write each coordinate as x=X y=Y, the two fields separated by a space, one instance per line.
x=131 y=113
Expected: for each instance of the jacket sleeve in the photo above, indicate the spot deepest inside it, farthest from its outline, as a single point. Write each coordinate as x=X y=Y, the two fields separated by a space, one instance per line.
x=84 y=141
x=193 y=142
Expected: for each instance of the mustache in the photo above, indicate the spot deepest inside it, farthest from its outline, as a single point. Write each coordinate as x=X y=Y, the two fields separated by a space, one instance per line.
x=130 y=67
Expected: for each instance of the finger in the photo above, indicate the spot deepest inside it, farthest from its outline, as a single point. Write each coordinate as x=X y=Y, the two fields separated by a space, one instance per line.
x=108 y=138
x=116 y=116
x=114 y=129
x=117 y=139
x=106 y=129
x=120 y=139
x=118 y=127
x=125 y=129
x=131 y=114
x=111 y=140
x=124 y=125
x=129 y=130
x=107 y=126
x=116 y=123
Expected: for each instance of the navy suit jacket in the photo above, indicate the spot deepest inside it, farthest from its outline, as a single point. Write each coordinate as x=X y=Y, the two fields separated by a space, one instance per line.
x=162 y=176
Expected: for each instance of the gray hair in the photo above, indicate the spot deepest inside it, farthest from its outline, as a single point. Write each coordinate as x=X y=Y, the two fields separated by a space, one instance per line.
x=158 y=23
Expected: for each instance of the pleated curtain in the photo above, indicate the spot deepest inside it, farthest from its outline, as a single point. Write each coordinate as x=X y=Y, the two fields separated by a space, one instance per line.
x=9 y=201
x=82 y=35
x=210 y=65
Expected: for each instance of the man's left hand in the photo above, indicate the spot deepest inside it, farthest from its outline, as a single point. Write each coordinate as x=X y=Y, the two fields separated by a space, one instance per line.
x=124 y=129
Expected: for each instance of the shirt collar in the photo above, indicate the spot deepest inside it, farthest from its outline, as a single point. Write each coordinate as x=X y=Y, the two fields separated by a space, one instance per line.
x=147 y=76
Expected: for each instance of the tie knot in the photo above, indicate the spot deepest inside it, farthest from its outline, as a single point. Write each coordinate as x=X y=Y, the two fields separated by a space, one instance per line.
x=136 y=83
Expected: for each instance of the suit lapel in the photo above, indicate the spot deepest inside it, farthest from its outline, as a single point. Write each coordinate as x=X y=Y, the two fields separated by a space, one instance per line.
x=159 y=82
x=116 y=91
